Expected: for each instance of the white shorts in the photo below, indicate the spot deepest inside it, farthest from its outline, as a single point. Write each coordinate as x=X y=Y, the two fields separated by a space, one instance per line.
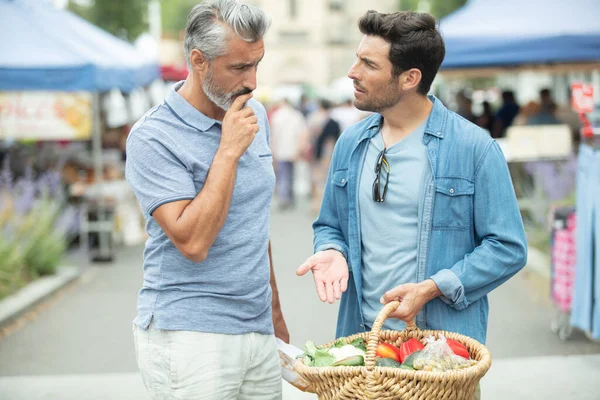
x=185 y=365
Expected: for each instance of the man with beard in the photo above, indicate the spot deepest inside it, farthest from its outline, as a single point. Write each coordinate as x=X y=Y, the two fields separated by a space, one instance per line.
x=201 y=168
x=419 y=204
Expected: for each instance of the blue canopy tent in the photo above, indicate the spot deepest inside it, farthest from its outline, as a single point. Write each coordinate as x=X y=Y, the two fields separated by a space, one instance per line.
x=493 y=33
x=43 y=48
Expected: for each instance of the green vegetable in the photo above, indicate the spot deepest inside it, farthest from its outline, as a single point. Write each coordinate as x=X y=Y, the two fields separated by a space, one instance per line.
x=410 y=359
x=314 y=357
x=359 y=343
x=323 y=358
x=350 y=361
x=387 y=362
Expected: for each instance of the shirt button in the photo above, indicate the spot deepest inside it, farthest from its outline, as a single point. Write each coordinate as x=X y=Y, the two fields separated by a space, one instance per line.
x=362 y=326
x=343 y=180
x=451 y=191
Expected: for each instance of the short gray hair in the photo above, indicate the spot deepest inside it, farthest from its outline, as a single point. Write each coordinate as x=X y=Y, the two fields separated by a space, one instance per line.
x=206 y=26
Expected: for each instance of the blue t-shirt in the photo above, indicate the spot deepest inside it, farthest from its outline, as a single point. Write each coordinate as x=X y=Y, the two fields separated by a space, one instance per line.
x=389 y=229
x=169 y=153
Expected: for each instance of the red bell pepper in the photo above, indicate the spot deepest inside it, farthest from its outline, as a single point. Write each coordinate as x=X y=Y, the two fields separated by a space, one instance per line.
x=409 y=347
x=386 y=350
x=458 y=348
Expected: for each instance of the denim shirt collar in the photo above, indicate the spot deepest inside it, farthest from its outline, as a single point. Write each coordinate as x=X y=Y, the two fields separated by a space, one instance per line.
x=187 y=113
x=435 y=124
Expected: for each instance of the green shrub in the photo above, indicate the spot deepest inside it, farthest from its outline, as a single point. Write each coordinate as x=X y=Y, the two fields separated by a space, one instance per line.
x=45 y=247
x=30 y=245
x=12 y=265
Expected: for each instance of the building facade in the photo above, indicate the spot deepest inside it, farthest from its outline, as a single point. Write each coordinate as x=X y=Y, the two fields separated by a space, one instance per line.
x=312 y=41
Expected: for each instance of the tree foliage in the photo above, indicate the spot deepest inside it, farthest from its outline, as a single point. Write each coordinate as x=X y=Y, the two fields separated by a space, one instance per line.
x=437 y=8
x=174 y=15
x=126 y=19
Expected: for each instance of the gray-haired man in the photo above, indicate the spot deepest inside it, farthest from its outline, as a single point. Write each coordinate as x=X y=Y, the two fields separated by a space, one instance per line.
x=201 y=167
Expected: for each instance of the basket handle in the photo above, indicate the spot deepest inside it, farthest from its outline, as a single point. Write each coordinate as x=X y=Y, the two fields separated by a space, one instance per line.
x=376 y=331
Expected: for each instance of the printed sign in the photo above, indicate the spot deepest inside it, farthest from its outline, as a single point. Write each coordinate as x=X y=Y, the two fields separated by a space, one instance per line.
x=582 y=97
x=45 y=115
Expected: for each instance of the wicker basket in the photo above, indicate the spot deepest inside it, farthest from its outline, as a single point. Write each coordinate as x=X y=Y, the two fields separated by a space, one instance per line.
x=385 y=383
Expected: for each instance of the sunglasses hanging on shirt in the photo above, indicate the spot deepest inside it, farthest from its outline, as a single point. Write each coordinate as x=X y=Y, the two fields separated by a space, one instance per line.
x=381 y=165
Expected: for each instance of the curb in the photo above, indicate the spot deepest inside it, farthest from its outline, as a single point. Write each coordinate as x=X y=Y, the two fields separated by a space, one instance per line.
x=36 y=292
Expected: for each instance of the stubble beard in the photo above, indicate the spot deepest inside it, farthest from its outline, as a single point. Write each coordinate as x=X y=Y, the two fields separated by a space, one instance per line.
x=389 y=98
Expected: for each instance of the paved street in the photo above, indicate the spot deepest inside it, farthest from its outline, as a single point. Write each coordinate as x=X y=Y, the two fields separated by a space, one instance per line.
x=80 y=347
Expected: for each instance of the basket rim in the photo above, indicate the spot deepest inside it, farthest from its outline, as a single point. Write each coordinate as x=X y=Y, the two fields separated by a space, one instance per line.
x=471 y=371
x=480 y=368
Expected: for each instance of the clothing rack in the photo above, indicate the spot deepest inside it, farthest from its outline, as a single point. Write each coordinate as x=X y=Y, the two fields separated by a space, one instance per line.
x=593 y=141
x=590 y=135
x=586 y=293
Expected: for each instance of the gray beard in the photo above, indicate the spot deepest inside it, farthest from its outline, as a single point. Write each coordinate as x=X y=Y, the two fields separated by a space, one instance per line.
x=215 y=94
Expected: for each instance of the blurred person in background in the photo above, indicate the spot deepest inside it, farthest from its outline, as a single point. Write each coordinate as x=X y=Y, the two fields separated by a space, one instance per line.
x=526 y=112
x=419 y=204
x=506 y=114
x=547 y=110
x=327 y=135
x=568 y=116
x=288 y=129
x=307 y=106
x=315 y=122
x=486 y=119
x=346 y=114
x=465 y=107
x=201 y=167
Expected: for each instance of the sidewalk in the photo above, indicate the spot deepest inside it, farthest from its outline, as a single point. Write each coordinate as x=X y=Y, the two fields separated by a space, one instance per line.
x=35 y=293
x=80 y=346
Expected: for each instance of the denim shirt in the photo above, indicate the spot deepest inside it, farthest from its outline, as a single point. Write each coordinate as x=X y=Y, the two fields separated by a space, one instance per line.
x=470 y=235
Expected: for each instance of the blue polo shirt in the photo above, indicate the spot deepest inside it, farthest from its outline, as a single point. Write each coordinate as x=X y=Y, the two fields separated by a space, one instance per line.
x=169 y=153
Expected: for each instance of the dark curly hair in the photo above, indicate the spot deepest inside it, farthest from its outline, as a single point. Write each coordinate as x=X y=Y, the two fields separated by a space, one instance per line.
x=415 y=42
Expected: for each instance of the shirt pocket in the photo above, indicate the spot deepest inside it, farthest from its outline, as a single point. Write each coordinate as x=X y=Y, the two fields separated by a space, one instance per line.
x=453 y=208
x=340 y=192
x=265 y=159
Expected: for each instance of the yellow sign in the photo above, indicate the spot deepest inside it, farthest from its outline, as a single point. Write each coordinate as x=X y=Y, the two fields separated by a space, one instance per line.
x=45 y=115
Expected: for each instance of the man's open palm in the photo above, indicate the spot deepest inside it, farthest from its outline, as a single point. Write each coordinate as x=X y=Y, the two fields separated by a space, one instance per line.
x=330 y=272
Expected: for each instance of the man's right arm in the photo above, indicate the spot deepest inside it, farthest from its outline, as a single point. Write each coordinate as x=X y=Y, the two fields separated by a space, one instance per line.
x=166 y=190
x=193 y=225
x=328 y=264
x=327 y=226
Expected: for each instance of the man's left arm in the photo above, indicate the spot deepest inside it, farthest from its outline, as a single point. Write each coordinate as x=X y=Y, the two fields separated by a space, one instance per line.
x=501 y=253
x=498 y=226
x=281 y=330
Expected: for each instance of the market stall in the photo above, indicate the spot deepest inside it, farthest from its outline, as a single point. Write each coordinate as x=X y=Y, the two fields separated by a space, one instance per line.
x=54 y=69
x=490 y=34
x=487 y=38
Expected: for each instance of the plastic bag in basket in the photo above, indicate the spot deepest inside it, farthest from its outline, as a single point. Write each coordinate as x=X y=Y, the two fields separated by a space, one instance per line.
x=438 y=356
